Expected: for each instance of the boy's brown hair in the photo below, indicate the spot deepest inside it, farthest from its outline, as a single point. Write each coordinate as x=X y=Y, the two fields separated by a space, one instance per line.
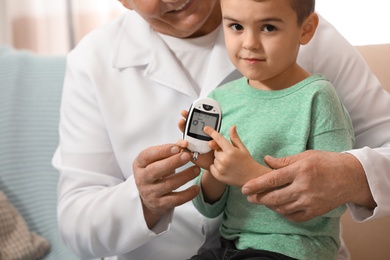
x=303 y=8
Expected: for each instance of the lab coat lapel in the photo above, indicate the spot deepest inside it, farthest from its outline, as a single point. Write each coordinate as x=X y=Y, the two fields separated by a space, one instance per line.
x=165 y=69
x=149 y=50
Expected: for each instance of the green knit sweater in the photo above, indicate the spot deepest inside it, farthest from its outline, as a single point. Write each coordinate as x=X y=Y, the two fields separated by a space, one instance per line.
x=308 y=115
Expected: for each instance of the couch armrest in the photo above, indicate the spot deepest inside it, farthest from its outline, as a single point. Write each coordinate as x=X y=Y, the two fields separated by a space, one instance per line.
x=378 y=58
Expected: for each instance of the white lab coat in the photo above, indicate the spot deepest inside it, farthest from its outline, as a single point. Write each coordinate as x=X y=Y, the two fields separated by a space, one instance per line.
x=124 y=91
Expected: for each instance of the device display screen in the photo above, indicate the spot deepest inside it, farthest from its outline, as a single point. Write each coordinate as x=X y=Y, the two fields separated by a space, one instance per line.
x=199 y=120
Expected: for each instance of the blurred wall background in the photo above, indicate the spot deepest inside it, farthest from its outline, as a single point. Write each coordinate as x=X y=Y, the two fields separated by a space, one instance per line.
x=52 y=26
x=55 y=26
x=361 y=22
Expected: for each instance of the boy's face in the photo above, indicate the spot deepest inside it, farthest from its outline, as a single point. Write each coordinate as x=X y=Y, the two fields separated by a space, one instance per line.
x=178 y=18
x=262 y=37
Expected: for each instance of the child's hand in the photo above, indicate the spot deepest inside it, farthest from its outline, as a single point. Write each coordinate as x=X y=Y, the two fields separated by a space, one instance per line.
x=233 y=164
x=182 y=122
x=203 y=161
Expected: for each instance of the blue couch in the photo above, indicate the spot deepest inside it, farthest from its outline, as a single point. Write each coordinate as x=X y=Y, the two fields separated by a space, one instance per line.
x=30 y=90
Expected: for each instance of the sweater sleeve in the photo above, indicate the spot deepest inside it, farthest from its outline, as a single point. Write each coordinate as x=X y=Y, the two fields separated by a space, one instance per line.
x=207 y=209
x=331 y=126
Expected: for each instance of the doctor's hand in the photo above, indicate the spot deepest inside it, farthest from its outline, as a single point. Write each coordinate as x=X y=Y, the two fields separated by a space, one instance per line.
x=310 y=184
x=154 y=173
x=233 y=164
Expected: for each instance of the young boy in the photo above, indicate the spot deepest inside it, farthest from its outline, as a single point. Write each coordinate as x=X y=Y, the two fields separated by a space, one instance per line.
x=279 y=110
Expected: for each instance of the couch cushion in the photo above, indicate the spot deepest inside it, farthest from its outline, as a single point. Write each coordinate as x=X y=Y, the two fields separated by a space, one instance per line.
x=30 y=87
x=16 y=240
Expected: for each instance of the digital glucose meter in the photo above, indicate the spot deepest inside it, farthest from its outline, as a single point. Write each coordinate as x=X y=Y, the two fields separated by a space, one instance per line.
x=203 y=112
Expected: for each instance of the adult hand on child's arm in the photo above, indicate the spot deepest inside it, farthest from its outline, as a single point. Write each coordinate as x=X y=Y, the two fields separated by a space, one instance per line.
x=233 y=164
x=310 y=184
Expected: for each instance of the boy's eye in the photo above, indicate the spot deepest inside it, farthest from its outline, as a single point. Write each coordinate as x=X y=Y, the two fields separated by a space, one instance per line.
x=269 y=28
x=236 y=27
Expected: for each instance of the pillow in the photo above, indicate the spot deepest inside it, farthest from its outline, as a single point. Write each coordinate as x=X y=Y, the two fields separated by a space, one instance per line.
x=16 y=241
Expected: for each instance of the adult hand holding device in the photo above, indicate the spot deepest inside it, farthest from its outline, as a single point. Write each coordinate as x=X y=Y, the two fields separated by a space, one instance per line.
x=154 y=173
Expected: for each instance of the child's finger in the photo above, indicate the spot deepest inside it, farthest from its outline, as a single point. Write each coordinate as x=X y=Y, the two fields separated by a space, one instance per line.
x=182 y=122
x=184 y=113
x=213 y=145
x=217 y=137
x=235 y=138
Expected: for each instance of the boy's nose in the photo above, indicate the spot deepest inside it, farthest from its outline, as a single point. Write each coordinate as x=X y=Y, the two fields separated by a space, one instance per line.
x=251 y=42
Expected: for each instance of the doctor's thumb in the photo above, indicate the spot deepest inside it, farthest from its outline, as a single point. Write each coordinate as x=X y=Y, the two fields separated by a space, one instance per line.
x=277 y=163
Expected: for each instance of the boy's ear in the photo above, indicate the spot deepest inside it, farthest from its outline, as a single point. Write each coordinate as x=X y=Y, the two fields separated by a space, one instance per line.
x=309 y=27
